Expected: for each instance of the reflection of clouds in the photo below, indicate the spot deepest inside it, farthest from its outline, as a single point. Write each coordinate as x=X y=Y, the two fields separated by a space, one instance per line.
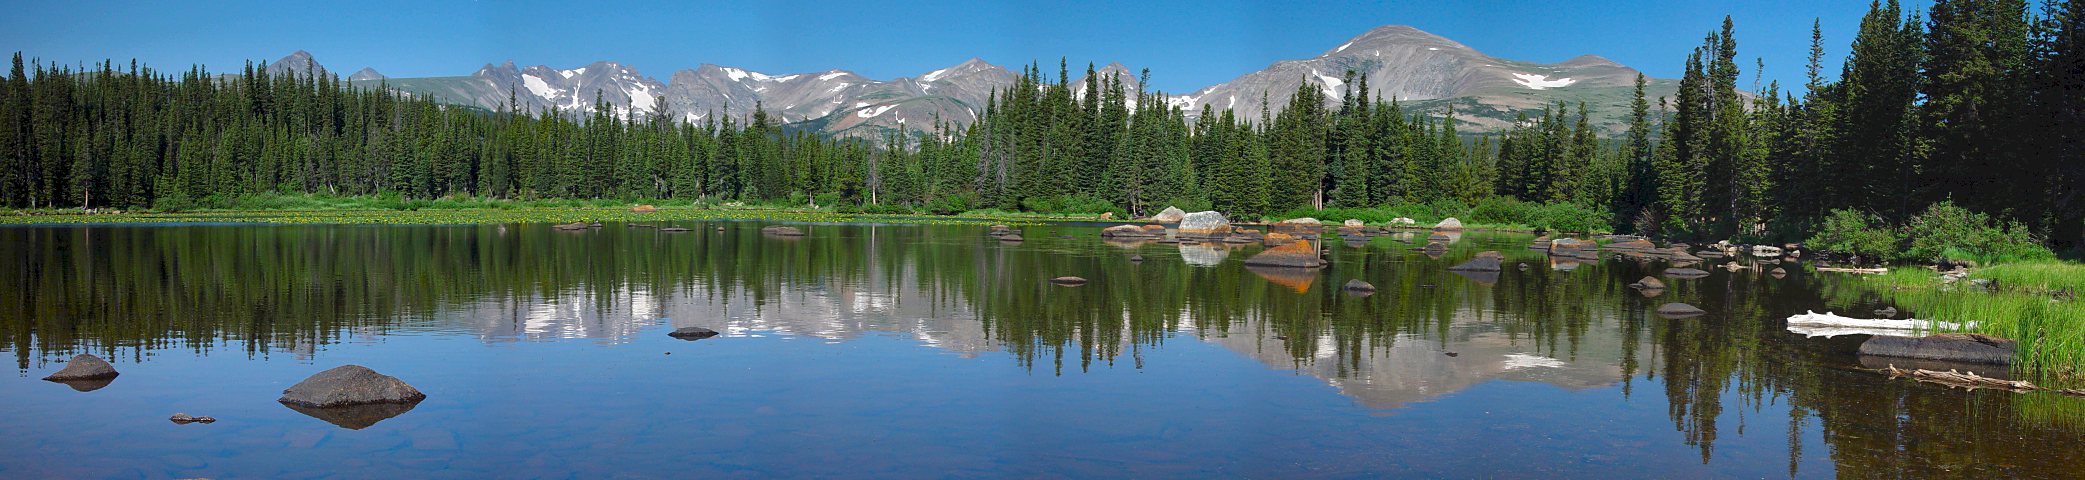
x=839 y=311
x=1409 y=368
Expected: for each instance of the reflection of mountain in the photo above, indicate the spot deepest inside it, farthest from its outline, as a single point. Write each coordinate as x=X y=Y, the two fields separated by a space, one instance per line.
x=1411 y=368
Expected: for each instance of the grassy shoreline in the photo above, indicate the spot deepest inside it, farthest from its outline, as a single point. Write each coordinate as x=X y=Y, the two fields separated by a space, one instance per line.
x=2033 y=303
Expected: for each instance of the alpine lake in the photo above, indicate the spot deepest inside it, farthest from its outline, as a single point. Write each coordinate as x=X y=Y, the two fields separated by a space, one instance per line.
x=896 y=350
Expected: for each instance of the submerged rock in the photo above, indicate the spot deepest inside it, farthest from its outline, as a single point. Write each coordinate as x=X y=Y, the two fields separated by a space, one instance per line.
x=1297 y=254
x=782 y=231
x=1068 y=281
x=1685 y=273
x=1680 y=310
x=570 y=226
x=1951 y=347
x=1484 y=262
x=84 y=367
x=349 y=385
x=691 y=333
x=673 y=229
x=1886 y=312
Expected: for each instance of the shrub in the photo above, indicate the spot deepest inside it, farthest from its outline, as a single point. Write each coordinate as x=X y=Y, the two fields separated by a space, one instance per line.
x=1946 y=231
x=1569 y=217
x=1855 y=233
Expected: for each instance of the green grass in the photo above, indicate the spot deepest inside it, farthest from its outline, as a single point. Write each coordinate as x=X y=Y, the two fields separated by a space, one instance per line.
x=2050 y=329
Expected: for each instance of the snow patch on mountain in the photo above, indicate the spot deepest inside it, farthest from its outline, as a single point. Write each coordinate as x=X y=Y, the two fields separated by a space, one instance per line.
x=830 y=76
x=933 y=76
x=1540 y=82
x=874 y=112
x=538 y=86
x=1332 y=83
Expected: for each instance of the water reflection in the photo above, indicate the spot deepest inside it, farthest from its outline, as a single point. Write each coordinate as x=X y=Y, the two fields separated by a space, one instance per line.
x=1425 y=336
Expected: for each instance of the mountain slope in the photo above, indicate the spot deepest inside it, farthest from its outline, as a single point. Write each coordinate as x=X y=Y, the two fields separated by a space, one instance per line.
x=1426 y=72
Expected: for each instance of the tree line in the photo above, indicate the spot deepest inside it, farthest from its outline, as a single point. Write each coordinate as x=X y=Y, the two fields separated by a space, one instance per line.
x=1978 y=102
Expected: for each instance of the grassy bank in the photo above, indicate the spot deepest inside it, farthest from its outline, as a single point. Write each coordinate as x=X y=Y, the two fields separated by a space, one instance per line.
x=2033 y=303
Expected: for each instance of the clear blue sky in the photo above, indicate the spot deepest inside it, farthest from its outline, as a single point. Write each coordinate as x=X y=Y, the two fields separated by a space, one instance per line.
x=1187 y=45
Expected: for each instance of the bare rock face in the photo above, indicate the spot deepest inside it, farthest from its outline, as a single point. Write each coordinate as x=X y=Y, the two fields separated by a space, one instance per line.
x=1680 y=310
x=1297 y=254
x=84 y=367
x=691 y=333
x=350 y=385
x=1169 y=215
x=1204 y=224
x=1951 y=347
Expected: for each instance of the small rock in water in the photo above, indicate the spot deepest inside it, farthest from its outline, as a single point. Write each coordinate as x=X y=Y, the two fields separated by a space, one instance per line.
x=691 y=333
x=182 y=418
x=349 y=385
x=1011 y=237
x=1451 y=354
x=1485 y=262
x=782 y=231
x=84 y=367
x=1136 y=258
x=1886 y=312
x=1648 y=283
x=1068 y=281
x=1685 y=273
x=1358 y=286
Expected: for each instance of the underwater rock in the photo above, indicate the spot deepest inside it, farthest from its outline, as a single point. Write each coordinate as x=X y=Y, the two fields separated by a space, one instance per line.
x=1680 y=310
x=1950 y=347
x=691 y=333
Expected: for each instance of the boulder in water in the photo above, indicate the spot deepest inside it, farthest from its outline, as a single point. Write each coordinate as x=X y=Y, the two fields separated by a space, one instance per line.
x=1297 y=254
x=1448 y=224
x=84 y=367
x=1952 y=347
x=1351 y=223
x=1204 y=224
x=1648 y=283
x=691 y=333
x=1011 y=238
x=1120 y=231
x=1680 y=310
x=349 y=385
x=1169 y=215
x=1358 y=286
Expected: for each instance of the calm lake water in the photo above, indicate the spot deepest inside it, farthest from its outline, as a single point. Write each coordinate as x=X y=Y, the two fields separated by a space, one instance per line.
x=935 y=351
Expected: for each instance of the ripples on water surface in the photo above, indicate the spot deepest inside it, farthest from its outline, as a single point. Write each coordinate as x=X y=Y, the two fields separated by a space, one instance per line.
x=935 y=351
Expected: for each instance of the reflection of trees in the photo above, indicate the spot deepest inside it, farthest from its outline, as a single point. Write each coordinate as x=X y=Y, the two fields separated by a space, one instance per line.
x=267 y=290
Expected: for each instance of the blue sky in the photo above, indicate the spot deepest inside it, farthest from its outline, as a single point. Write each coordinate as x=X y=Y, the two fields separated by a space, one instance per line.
x=1187 y=45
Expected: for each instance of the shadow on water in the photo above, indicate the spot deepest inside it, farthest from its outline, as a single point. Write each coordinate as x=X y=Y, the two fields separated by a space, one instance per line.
x=1425 y=335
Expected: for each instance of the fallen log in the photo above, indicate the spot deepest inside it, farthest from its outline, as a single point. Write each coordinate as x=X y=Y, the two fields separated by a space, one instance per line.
x=1959 y=379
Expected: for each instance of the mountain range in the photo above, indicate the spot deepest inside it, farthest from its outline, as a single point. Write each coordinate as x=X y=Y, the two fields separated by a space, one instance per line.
x=1425 y=72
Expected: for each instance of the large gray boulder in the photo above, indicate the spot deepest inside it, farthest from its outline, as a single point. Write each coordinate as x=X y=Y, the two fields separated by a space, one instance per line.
x=349 y=385
x=84 y=367
x=1169 y=215
x=1448 y=224
x=1952 y=347
x=1204 y=224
